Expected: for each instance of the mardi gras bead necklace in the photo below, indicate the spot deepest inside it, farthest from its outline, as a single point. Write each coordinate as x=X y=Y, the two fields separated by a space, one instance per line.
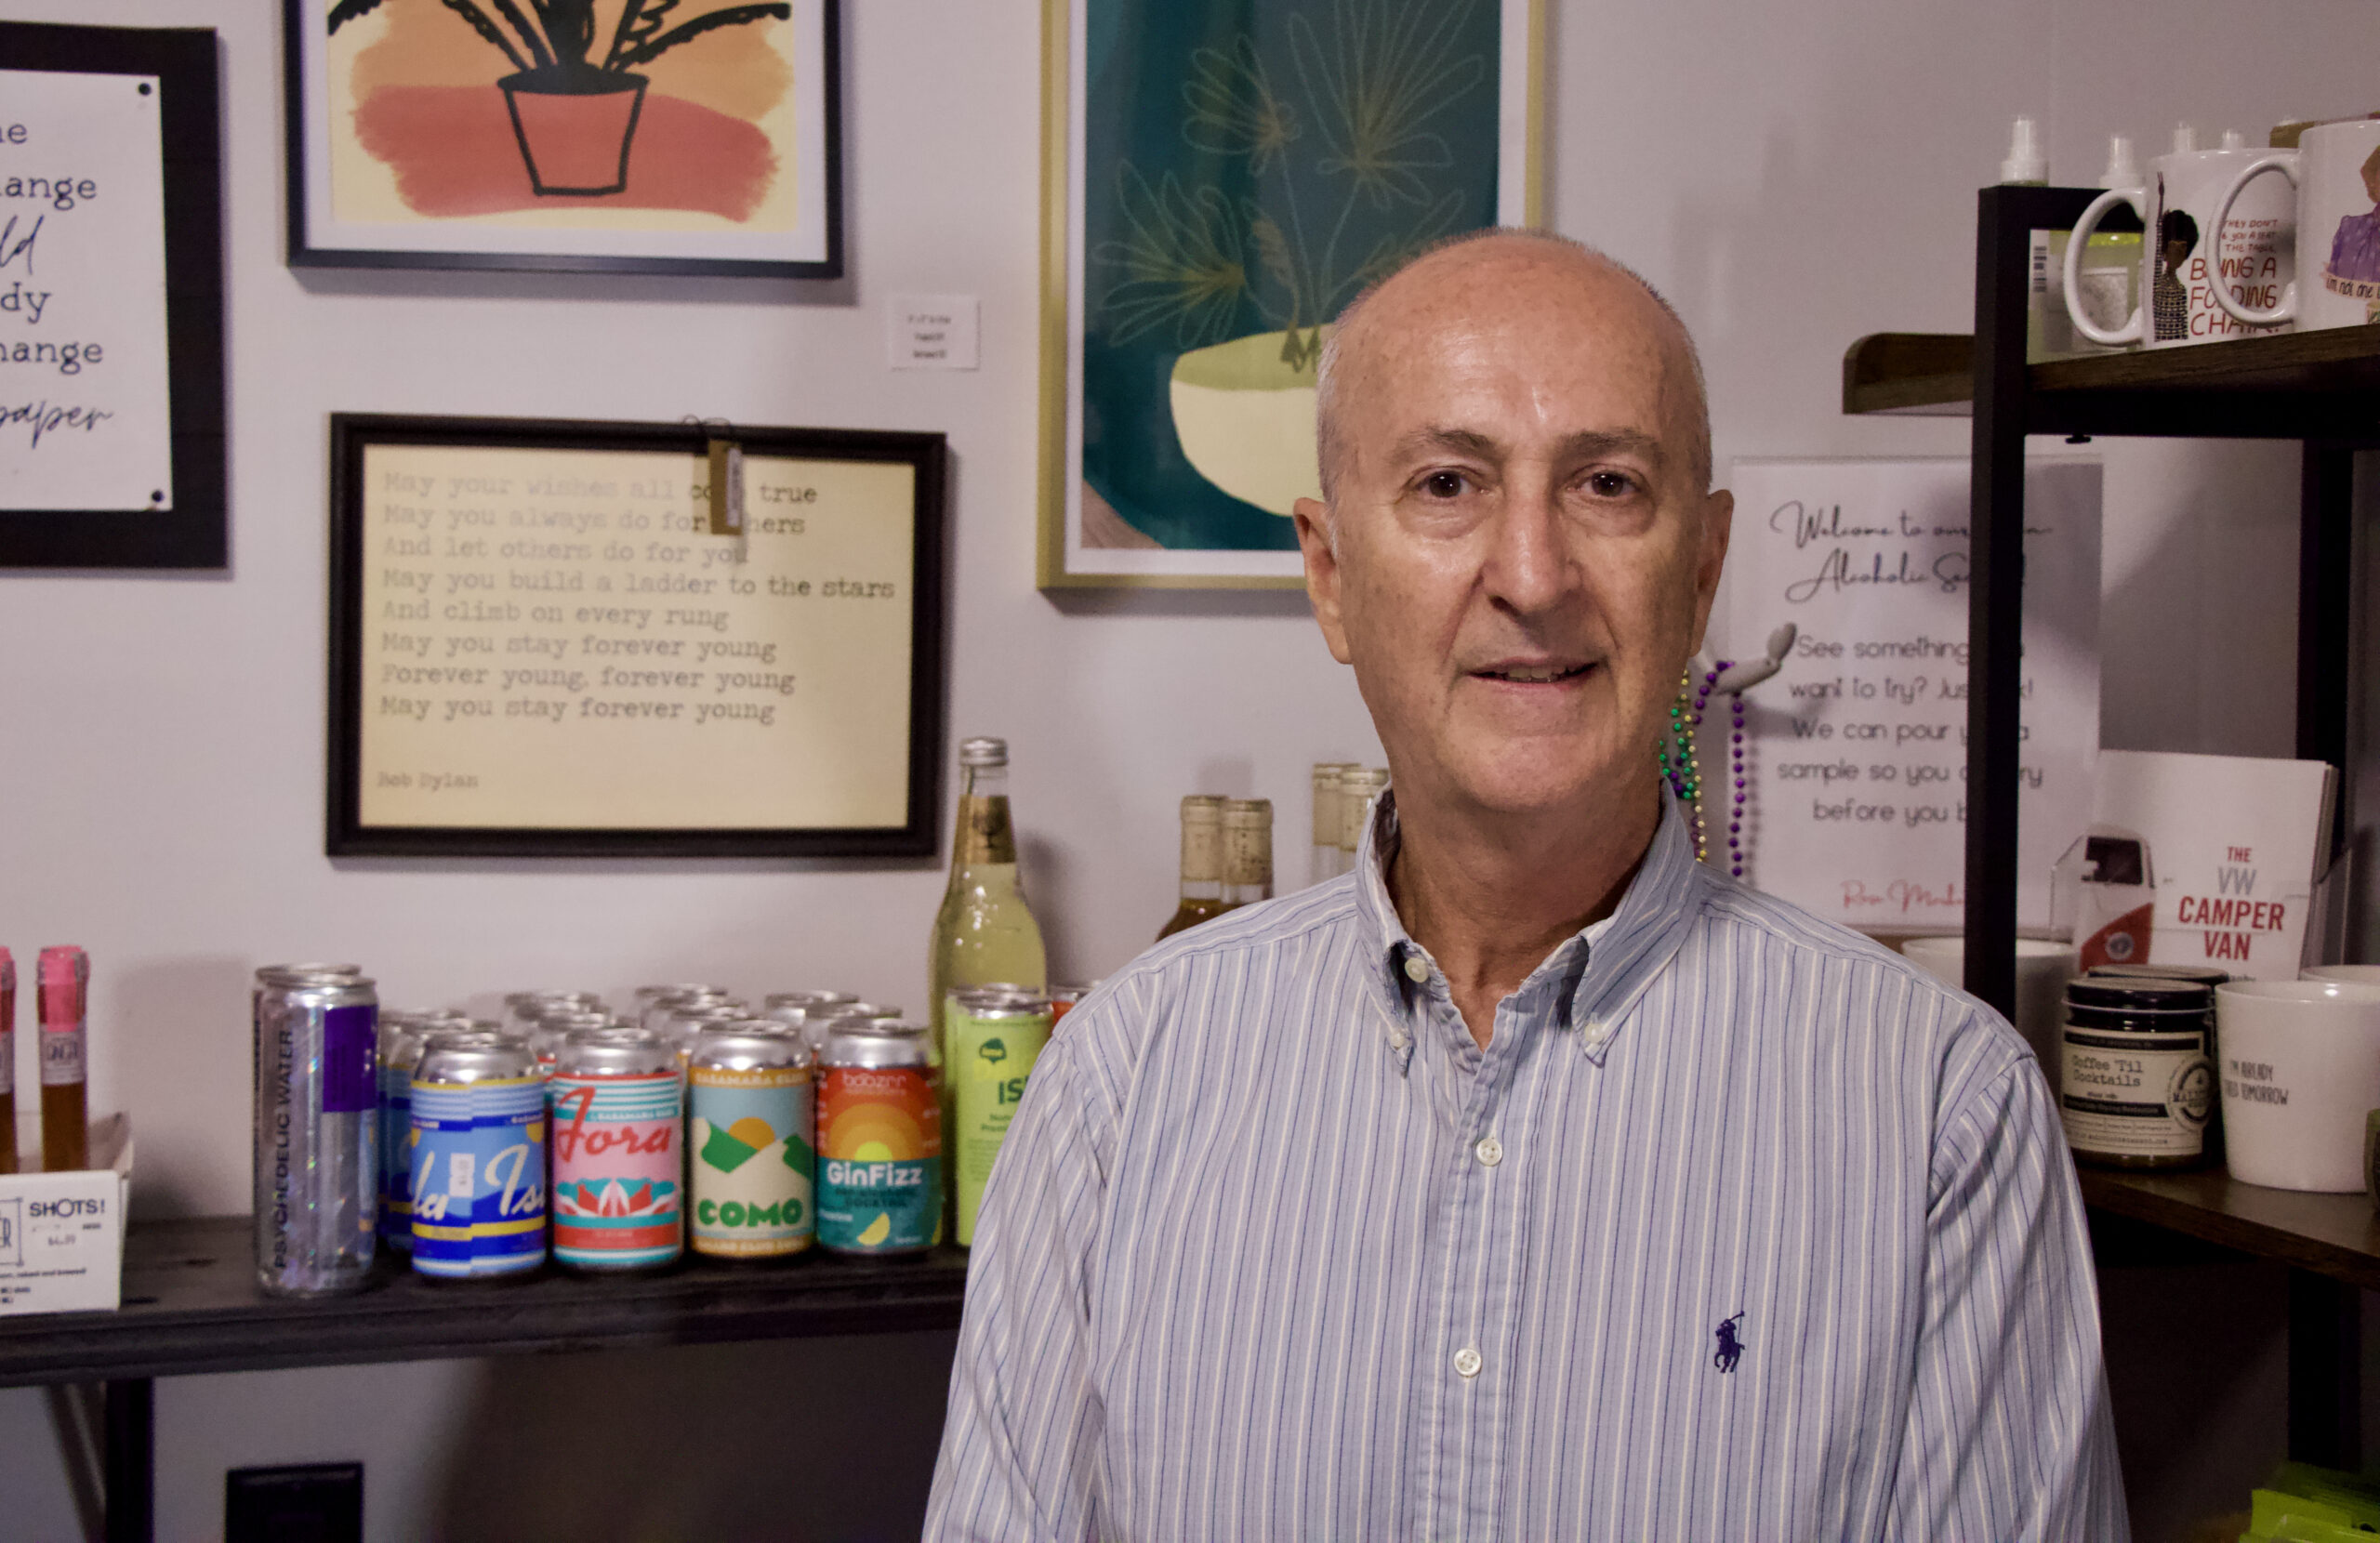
x=1681 y=764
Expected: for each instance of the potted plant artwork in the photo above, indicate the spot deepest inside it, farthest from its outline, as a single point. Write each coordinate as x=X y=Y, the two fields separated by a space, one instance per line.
x=575 y=115
x=1268 y=163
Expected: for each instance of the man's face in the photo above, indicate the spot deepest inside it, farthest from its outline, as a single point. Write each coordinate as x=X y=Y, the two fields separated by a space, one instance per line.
x=1524 y=557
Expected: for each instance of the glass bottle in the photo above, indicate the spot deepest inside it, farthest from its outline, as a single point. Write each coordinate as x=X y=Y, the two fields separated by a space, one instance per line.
x=1202 y=863
x=985 y=933
x=8 y=1062
x=1358 y=790
x=62 y=989
x=1324 y=863
x=1247 y=851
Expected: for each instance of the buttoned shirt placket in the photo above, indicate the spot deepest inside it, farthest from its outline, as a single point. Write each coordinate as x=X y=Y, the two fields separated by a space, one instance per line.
x=1489 y=1105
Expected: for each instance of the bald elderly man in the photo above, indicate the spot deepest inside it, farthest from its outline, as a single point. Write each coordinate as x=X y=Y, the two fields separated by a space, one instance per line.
x=1533 y=1181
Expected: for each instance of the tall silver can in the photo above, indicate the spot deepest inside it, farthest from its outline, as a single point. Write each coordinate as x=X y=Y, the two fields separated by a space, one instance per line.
x=317 y=1129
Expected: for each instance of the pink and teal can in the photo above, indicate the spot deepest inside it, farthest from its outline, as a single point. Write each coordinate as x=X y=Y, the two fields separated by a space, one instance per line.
x=617 y=1102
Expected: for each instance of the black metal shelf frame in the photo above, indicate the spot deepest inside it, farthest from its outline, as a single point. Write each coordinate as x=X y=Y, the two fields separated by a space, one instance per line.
x=2323 y=1313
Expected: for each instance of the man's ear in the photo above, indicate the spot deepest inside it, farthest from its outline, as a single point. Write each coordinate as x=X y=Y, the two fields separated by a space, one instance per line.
x=1711 y=554
x=1321 y=557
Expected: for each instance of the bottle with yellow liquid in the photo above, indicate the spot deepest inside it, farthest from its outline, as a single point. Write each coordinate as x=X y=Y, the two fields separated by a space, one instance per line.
x=1202 y=863
x=985 y=934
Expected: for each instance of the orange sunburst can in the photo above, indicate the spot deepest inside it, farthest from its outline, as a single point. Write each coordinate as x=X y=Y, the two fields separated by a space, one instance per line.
x=879 y=1139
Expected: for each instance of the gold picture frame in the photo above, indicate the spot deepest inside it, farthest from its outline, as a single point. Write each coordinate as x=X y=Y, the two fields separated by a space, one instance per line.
x=1252 y=105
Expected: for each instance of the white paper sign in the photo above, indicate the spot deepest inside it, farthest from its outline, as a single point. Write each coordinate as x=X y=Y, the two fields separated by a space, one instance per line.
x=2233 y=842
x=1857 y=749
x=84 y=395
x=931 y=332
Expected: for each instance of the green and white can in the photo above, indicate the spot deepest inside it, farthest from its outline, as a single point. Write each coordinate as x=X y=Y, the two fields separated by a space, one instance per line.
x=994 y=1037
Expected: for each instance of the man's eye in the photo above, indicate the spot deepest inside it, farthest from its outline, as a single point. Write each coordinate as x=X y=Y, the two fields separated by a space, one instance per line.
x=1610 y=484
x=1443 y=484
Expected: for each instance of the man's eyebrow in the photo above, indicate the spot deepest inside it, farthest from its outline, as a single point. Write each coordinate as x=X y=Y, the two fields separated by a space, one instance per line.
x=1586 y=445
x=1593 y=444
x=1450 y=442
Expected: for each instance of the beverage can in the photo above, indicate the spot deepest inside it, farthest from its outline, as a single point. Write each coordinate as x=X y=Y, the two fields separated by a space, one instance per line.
x=1064 y=999
x=686 y=1023
x=317 y=1172
x=796 y=1007
x=818 y=1024
x=995 y=1037
x=545 y=1040
x=400 y=1037
x=523 y=1008
x=880 y=1141
x=479 y=1164
x=654 y=1013
x=749 y=1143
x=617 y=1102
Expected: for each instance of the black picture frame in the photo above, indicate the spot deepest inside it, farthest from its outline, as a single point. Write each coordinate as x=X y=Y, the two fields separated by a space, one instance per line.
x=352 y=434
x=299 y=16
x=192 y=533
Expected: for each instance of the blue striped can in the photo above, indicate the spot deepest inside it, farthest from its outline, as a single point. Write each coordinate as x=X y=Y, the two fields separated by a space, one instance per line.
x=479 y=1157
x=401 y=1037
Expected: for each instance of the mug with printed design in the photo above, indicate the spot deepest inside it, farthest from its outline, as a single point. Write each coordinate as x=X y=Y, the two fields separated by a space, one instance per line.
x=2300 y=1070
x=2335 y=173
x=2189 y=256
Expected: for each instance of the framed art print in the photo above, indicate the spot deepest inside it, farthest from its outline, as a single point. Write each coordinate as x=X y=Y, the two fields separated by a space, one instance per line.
x=695 y=137
x=1219 y=180
x=111 y=425
x=539 y=647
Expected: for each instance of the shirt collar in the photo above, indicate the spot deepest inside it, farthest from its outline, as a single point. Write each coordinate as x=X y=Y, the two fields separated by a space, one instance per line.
x=1607 y=965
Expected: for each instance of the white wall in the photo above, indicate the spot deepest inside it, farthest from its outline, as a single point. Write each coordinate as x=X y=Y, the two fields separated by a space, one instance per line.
x=1792 y=175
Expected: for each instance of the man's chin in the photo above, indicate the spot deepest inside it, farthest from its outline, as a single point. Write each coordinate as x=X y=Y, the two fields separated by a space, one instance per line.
x=1551 y=794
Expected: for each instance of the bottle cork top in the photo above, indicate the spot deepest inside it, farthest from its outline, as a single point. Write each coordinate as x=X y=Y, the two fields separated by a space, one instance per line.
x=1247 y=841
x=1202 y=839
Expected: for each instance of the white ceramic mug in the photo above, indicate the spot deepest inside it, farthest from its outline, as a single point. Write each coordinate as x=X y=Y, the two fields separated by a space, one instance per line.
x=2362 y=975
x=2183 y=264
x=2042 y=970
x=2300 y=1070
x=2335 y=171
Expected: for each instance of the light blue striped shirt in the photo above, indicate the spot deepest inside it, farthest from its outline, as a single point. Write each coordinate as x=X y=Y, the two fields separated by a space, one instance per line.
x=1740 y=1227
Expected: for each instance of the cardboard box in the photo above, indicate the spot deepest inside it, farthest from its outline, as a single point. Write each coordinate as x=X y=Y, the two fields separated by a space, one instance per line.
x=61 y=1234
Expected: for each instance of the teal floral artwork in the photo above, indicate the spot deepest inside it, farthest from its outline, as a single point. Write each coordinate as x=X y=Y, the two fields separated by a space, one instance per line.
x=1249 y=168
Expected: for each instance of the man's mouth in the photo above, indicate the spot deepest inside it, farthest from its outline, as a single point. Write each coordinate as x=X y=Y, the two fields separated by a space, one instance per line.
x=1534 y=675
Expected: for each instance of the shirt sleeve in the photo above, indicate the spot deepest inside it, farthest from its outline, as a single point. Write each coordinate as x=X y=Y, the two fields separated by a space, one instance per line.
x=2009 y=1435
x=1021 y=1436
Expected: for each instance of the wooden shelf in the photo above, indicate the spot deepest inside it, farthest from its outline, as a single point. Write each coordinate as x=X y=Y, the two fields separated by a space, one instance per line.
x=1910 y=374
x=2289 y=385
x=2337 y=1235
x=190 y=1304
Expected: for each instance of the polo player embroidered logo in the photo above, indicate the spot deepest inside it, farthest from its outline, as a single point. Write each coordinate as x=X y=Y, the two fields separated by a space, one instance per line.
x=1731 y=1350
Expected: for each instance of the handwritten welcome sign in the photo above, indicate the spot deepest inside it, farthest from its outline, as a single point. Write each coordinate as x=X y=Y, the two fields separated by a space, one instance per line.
x=1858 y=747
x=83 y=396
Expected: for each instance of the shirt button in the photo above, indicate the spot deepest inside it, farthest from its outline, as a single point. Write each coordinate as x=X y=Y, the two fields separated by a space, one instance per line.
x=1417 y=968
x=1489 y=1152
x=1466 y=1362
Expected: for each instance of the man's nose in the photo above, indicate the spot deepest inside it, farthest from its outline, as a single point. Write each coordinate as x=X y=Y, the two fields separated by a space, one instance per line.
x=1529 y=564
